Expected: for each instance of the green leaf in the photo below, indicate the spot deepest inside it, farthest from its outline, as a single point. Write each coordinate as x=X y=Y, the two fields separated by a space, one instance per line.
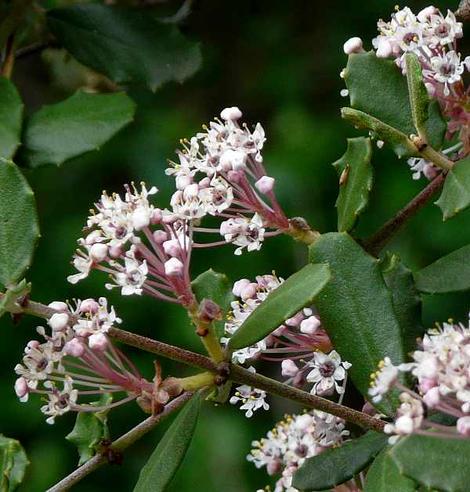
x=298 y=291
x=216 y=287
x=81 y=123
x=355 y=173
x=406 y=300
x=356 y=309
x=384 y=476
x=418 y=95
x=11 y=114
x=13 y=463
x=455 y=195
x=377 y=87
x=19 y=228
x=337 y=465
x=168 y=455
x=127 y=45
x=400 y=143
x=434 y=462
x=451 y=273
x=89 y=430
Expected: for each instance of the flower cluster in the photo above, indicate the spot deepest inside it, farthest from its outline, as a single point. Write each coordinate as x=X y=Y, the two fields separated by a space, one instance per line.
x=77 y=360
x=220 y=172
x=442 y=369
x=300 y=345
x=292 y=441
x=146 y=249
x=433 y=38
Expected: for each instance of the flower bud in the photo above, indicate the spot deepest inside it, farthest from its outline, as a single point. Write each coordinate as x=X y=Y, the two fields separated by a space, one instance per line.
x=310 y=325
x=404 y=425
x=463 y=426
x=249 y=291
x=58 y=321
x=432 y=397
x=425 y=14
x=89 y=306
x=265 y=184
x=156 y=216
x=239 y=285
x=172 y=247
x=295 y=320
x=191 y=191
x=182 y=181
x=93 y=237
x=115 y=251
x=384 y=48
x=98 y=341
x=232 y=113
x=160 y=236
x=173 y=267
x=74 y=348
x=235 y=176
x=98 y=252
x=289 y=368
x=353 y=45
x=233 y=159
x=59 y=306
x=21 y=389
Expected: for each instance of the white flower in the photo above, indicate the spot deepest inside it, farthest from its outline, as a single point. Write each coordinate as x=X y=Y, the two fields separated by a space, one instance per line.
x=60 y=402
x=353 y=45
x=446 y=68
x=244 y=232
x=252 y=399
x=383 y=380
x=327 y=371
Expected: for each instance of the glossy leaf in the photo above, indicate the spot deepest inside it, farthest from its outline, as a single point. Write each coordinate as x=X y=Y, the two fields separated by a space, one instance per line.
x=377 y=87
x=355 y=172
x=384 y=476
x=337 y=465
x=168 y=455
x=356 y=309
x=451 y=273
x=81 y=123
x=19 y=228
x=13 y=463
x=89 y=430
x=434 y=462
x=127 y=45
x=11 y=114
x=298 y=291
x=217 y=287
x=405 y=297
x=455 y=195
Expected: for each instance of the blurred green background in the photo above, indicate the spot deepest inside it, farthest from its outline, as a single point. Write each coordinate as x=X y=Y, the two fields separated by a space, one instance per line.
x=279 y=62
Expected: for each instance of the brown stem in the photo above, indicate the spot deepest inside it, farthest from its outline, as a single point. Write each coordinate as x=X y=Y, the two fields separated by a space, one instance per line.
x=235 y=373
x=119 y=444
x=7 y=67
x=377 y=241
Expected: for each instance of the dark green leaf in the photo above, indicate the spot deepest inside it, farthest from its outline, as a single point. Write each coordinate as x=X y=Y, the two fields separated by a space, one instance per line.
x=129 y=46
x=384 y=476
x=168 y=455
x=455 y=195
x=89 y=430
x=355 y=183
x=356 y=309
x=405 y=298
x=419 y=98
x=298 y=291
x=19 y=229
x=377 y=87
x=450 y=273
x=337 y=465
x=72 y=127
x=434 y=462
x=13 y=463
x=11 y=113
x=217 y=287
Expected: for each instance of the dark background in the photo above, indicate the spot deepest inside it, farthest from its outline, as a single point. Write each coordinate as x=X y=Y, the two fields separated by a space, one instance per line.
x=279 y=62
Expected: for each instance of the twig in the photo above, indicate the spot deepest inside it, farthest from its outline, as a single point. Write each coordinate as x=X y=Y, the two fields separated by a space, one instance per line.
x=377 y=241
x=119 y=444
x=33 y=48
x=233 y=372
